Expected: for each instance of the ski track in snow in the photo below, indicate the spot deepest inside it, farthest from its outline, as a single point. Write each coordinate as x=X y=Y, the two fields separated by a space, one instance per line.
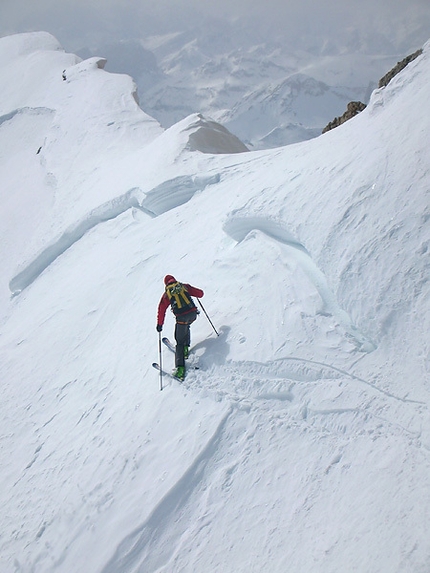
x=277 y=380
x=290 y=393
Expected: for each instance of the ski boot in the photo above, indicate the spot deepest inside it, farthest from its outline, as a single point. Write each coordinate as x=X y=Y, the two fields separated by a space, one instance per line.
x=179 y=372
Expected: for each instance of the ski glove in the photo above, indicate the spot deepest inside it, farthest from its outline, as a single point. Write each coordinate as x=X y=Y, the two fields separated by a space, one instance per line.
x=159 y=327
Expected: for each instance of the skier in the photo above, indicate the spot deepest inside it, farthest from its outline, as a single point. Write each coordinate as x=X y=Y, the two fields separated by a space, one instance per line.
x=178 y=295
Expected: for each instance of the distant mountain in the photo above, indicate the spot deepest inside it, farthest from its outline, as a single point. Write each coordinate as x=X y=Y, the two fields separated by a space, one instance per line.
x=267 y=91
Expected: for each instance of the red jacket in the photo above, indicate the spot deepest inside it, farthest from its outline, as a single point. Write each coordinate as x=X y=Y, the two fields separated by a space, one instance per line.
x=165 y=303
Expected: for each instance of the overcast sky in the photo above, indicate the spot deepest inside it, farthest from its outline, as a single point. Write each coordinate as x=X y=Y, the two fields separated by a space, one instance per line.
x=75 y=23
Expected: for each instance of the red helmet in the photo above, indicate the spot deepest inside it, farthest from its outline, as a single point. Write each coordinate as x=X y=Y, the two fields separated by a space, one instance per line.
x=169 y=279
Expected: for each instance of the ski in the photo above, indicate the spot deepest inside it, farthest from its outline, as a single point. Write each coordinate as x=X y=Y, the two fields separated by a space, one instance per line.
x=165 y=373
x=169 y=345
x=172 y=348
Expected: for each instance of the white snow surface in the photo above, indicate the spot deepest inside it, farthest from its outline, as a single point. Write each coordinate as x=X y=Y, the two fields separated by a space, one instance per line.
x=302 y=442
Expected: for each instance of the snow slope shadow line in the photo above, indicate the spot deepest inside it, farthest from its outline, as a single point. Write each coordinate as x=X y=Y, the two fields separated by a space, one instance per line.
x=164 y=197
x=25 y=110
x=239 y=226
x=146 y=548
x=105 y=212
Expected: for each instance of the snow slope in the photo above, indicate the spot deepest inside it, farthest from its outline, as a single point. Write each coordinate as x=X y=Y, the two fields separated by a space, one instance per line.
x=302 y=443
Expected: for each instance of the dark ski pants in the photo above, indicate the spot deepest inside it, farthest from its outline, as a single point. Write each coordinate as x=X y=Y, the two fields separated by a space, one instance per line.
x=183 y=335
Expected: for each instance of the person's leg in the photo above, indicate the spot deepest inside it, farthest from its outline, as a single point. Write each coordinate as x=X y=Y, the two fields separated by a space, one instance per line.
x=187 y=343
x=181 y=333
x=187 y=340
x=183 y=336
x=191 y=317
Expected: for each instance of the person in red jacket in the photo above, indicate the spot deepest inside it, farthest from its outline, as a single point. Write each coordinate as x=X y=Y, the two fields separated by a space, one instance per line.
x=178 y=296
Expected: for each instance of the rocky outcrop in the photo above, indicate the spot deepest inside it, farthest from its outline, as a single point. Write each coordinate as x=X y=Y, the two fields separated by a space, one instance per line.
x=398 y=68
x=208 y=136
x=353 y=108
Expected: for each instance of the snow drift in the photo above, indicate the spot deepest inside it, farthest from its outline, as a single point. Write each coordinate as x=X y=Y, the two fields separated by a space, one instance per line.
x=303 y=440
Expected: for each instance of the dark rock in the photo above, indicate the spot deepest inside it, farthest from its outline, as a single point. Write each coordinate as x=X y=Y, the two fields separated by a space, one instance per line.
x=398 y=68
x=353 y=108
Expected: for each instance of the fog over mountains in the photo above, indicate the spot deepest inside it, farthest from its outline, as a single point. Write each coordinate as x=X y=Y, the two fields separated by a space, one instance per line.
x=267 y=90
x=271 y=73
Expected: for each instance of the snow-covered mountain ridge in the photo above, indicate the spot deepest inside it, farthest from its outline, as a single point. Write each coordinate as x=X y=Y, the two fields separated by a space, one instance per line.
x=264 y=94
x=303 y=440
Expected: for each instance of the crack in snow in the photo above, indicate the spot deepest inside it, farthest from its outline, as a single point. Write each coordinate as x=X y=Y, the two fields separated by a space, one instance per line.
x=105 y=212
x=25 y=110
x=164 y=197
x=175 y=192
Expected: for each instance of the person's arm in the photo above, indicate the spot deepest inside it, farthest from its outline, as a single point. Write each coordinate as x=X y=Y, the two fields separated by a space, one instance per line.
x=162 y=307
x=194 y=291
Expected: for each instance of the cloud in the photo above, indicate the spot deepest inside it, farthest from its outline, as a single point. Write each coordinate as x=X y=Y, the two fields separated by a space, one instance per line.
x=81 y=22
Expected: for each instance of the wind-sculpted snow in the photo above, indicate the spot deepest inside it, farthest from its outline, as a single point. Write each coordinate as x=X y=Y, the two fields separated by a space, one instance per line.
x=20 y=45
x=162 y=198
x=153 y=543
x=278 y=408
x=175 y=192
x=239 y=226
x=25 y=111
x=107 y=211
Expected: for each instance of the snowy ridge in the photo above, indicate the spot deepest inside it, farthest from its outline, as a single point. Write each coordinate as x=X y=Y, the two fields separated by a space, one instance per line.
x=105 y=212
x=153 y=203
x=302 y=443
x=211 y=137
x=175 y=192
x=269 y=91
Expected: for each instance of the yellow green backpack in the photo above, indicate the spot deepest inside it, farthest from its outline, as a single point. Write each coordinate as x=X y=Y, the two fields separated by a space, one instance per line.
x=179 y=298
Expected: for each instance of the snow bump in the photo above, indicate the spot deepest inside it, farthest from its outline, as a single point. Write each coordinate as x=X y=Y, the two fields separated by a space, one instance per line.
x=239 y=226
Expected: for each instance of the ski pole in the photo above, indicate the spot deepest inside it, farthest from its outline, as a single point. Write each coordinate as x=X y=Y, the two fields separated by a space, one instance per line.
x=203 y=308
x=161 y=360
